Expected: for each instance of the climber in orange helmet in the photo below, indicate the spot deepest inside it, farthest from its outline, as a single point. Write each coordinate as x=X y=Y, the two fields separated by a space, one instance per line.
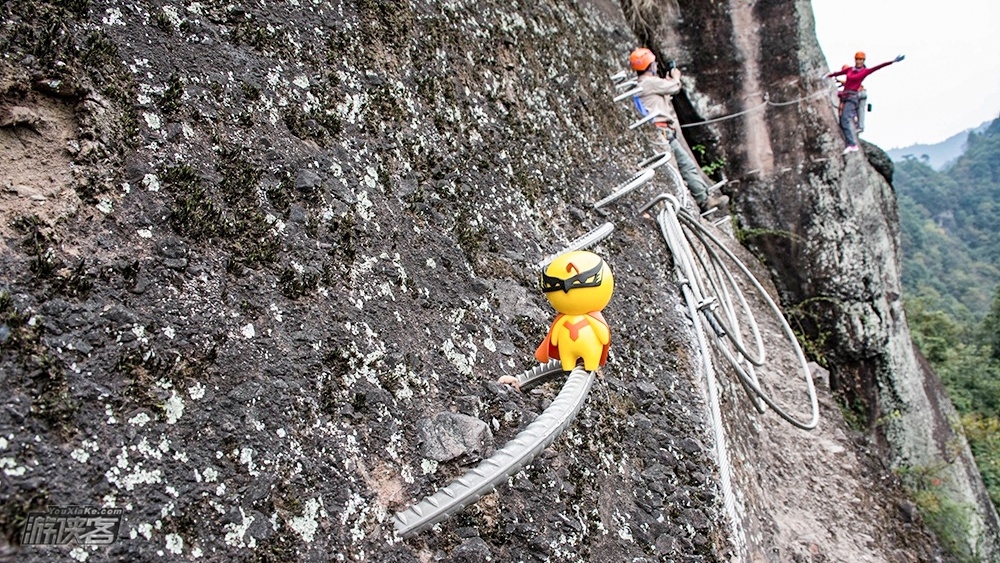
x=655 y=98
x=849 y=95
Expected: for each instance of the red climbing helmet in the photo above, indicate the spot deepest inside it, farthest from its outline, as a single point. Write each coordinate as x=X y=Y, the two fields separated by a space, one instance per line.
x=640 y=59
x=859 y=55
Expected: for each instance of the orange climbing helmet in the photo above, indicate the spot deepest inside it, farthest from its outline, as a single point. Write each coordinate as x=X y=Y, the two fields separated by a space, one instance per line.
x=640 y=59
x=859 y=55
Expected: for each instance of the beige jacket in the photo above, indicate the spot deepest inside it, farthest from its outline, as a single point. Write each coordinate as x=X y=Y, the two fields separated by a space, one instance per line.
x=655 y=96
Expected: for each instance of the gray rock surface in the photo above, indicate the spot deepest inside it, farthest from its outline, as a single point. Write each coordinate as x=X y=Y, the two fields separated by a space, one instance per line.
x=299 y=229
x=450 y=436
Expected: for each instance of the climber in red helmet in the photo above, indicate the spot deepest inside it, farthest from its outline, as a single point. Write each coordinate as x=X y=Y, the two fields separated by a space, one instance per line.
x=655 y=98
x=849 y=95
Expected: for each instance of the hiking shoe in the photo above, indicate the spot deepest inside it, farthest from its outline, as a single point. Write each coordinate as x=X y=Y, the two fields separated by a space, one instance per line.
x=720 y=201
x=851 y=148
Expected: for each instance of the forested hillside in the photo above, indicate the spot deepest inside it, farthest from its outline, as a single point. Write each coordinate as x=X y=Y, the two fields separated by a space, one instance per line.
x=951 y=254
x=951 y=261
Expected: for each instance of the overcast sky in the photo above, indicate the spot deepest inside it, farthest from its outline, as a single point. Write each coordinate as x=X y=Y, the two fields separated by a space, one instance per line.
x=950 y=80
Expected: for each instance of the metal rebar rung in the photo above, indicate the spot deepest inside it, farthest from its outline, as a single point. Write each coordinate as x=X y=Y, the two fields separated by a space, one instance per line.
x=637 y=179
x=539 y=374
x=586 y=241
x=502 y=464
x=627 y=95
x=644 y=120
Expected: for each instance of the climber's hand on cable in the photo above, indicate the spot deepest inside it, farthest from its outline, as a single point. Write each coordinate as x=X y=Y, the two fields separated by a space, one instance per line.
x=899 y=58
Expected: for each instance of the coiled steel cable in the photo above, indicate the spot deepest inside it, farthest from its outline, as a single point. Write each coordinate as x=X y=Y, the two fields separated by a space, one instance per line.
x=673 y=236
x=691 y=223
x=671 y=229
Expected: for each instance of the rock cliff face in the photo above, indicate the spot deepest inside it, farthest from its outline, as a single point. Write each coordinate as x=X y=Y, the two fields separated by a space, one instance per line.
x=253 y=252
x=827 y=227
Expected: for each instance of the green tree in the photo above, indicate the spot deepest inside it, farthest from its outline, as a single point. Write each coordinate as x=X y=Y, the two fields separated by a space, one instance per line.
x=991 y=327
x=951 y=265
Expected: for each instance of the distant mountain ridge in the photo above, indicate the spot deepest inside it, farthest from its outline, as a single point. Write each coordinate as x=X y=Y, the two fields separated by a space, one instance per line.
x=939 y=155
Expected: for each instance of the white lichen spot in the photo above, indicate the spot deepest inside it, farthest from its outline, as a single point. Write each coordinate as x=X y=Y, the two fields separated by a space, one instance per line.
x=168 y=331
x=306 y=525
x=246 y=458
x=431 y=263
x=113 y=17
x=275 y=312
x=144 y=528
x=151 y=182
x=104 y=205
x=281 y=432
x=248 y=331
x=210 y=474
x=145 y=233
x=79 y=554
x=174 y=408
x=235 y=532
x=152 y=120
x=274 y=77
x=122 y=462
x=3 y=443
x=196 y=391
x=220 y=490
x=461 y=362
x=139 y=420
x=301 y=81
x=171 y=13
x=10 y=467
x=175 y=544
x=428 y=466
x=140 y=333
x=80 y=455
x=364 y=206
x=371 y=177
x=138 y=477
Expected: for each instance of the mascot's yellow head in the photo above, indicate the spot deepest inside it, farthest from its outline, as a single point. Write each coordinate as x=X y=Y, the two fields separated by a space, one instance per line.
x=578 y=282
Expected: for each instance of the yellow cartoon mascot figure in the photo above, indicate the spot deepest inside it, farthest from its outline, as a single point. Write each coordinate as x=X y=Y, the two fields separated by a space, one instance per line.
x=578 y=284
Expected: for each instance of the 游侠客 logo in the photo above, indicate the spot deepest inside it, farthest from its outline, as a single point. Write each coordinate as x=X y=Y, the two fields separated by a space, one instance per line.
x=72 y=524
